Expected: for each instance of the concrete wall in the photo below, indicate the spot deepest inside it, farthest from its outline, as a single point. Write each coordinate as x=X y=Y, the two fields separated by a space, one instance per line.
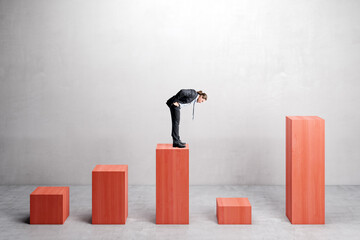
x=85 y=83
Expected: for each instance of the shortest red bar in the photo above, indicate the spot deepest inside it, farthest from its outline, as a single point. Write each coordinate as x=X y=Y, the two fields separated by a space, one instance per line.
x=233 y=211
x=49 y=205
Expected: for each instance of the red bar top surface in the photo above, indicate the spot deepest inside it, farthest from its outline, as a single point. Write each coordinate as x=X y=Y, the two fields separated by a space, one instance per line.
x=170 y=146
x=110 y=168
x=49 y=191
x=233 y=202
x=303 y=117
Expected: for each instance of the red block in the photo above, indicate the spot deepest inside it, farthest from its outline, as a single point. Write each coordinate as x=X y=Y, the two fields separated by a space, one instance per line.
x=172 y=184
x=233 y=211
x=109 y=194
x=49 y=205
x=305 y=169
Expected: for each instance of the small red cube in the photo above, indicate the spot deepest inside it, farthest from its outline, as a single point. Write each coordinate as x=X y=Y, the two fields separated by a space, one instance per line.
x=49 y=205
x=233 y=211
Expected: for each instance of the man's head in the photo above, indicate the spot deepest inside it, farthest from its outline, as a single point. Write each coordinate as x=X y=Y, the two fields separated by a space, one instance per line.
x=202 y=97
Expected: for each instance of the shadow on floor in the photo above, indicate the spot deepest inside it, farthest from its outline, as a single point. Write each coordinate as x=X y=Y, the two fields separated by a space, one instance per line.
x=212 y=218
x=153 y=219
x=25 y=219
x=86 y=218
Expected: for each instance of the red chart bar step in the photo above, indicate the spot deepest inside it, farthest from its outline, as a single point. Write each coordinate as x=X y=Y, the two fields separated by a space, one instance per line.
x=305 y=169
x=233 y=211
x=49 y=205
x=110 y=194
x=172 y=184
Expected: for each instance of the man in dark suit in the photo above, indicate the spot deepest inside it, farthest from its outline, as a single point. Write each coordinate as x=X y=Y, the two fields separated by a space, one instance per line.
x=182 y=98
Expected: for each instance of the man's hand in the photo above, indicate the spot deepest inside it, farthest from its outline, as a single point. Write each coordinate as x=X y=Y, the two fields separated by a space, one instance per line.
x=176 y=104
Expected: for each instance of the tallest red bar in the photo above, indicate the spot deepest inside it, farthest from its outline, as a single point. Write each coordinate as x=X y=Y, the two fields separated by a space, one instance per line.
x=305 y=169
x=172 y=184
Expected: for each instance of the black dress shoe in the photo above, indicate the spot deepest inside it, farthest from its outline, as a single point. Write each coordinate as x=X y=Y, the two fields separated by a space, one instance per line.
x=179 y=145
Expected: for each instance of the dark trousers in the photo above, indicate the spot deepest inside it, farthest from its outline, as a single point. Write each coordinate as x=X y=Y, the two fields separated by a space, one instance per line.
x=175 y=121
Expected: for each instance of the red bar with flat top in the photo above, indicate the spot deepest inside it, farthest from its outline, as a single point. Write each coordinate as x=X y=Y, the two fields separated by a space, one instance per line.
x=305 y=169
x=172 y=184
x=49 y=205
x=233 y=211
x=110 y=194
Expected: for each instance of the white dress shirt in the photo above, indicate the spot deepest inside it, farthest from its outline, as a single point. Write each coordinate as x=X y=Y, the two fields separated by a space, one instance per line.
x=193 y=103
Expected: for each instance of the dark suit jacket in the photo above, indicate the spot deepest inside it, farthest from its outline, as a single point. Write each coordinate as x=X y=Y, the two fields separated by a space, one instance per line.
x=183 y=96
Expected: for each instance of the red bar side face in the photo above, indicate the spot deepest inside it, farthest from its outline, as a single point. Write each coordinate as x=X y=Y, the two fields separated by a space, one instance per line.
x=288 y=168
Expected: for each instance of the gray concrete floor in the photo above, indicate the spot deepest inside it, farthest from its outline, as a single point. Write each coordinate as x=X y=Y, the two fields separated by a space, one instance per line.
x=268 y=216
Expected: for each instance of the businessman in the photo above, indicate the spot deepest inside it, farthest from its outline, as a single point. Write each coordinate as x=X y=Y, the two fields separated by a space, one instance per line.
x=183 y=98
